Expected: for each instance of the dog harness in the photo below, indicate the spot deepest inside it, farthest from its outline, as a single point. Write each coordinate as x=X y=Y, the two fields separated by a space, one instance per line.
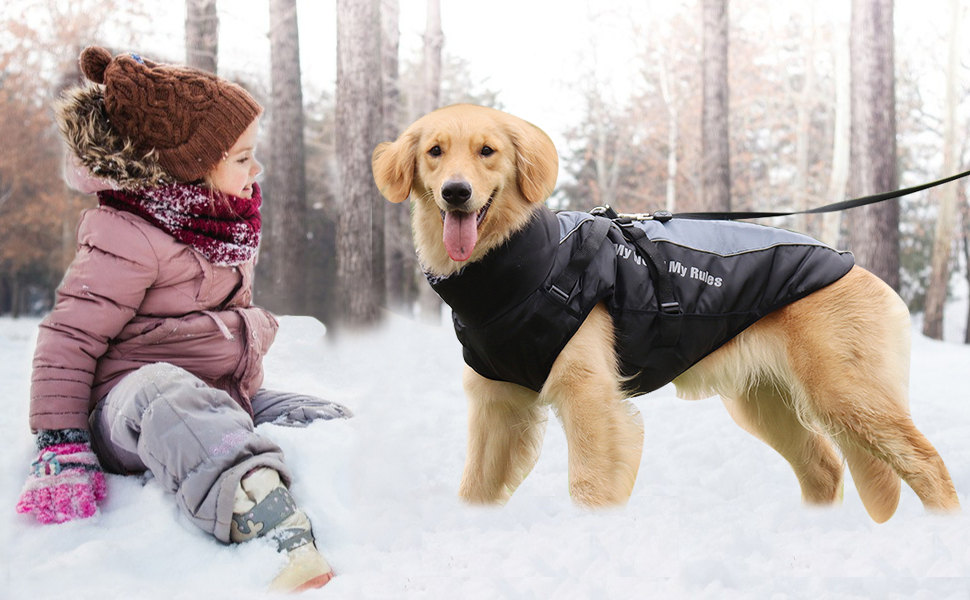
x=676 y=289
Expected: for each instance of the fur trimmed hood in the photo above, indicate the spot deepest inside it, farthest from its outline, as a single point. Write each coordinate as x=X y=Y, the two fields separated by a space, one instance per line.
x=106 y=155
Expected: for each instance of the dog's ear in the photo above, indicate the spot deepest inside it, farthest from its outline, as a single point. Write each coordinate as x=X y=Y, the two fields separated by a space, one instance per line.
x=536 y=161
x=393 y=165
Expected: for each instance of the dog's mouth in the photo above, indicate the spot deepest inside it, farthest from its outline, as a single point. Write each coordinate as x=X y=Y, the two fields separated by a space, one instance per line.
x=461 y=230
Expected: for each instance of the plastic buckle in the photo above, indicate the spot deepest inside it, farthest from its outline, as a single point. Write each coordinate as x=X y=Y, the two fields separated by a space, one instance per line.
x=662 y=216
x=559 y=294
x=670 y=308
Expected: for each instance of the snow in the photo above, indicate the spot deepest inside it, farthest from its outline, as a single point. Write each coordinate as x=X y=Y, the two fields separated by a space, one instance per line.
x=715 y=514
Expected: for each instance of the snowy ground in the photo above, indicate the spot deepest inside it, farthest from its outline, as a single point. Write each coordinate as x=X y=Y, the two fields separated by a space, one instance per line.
x=715 y=514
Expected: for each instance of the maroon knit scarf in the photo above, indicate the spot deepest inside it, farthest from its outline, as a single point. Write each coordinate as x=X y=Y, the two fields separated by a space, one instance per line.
x=224 y=228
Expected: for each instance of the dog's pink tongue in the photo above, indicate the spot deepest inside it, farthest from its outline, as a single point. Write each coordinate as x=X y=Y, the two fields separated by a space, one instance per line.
x=461 y=234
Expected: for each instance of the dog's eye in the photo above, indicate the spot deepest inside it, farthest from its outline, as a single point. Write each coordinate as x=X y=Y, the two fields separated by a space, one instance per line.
x=486 y=151
x=436 y=151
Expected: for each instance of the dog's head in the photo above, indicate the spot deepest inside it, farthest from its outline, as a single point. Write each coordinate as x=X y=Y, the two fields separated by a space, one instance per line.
x=475 y=175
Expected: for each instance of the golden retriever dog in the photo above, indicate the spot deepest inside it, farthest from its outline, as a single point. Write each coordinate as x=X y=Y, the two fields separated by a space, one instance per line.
x=827 y=372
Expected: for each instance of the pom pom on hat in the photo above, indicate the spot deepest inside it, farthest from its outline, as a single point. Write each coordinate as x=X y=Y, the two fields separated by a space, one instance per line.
x=188 y=118
x=94 y=60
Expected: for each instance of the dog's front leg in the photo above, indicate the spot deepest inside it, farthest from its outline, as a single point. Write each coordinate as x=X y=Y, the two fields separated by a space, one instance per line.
x=505 y=428
x=604 y=431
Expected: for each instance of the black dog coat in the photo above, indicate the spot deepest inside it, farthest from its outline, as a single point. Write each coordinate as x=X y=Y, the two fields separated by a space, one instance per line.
x=513 y=319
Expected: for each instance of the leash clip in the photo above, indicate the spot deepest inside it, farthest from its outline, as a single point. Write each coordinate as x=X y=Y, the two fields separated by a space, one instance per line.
x=661 y=216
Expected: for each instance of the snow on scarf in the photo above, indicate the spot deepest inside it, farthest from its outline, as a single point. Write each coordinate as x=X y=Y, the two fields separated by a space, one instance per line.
x=224 y=228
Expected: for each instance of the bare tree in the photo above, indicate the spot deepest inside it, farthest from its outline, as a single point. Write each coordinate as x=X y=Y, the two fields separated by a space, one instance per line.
x=433 y=42
x=947 y=216
x=359 y=123
x=671 y=102
x=839 y=175
x=286 y=193
x=715 y=130
x=401 y=261
x=806 y=100
x=874 y=230
x=202 y=35
x=965 y=217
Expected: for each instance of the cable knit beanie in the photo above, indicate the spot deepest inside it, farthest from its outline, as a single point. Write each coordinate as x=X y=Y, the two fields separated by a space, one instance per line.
x=190 y=118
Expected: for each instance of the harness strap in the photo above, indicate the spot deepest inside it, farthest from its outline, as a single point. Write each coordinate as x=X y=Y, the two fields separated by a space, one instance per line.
x=669 y=328
x=562 y=288
x=566 y=281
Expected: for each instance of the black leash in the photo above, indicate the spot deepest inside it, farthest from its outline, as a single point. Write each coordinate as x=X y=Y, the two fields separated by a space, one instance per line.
x=664 y=216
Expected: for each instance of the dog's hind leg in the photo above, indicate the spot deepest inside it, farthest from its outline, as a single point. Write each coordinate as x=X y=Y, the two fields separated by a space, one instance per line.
x=506 y=424
x=872 y=427
x=878 y=485
x=604 y=432
x=849 y=348
x=767 y=412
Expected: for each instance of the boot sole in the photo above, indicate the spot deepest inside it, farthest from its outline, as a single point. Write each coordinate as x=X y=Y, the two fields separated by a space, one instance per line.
x=317 y=582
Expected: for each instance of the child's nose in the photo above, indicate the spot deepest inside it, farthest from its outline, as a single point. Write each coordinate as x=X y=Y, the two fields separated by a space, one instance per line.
x=256 y=169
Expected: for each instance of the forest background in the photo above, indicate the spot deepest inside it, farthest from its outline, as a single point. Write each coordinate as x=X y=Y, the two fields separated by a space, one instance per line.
x=686 y=105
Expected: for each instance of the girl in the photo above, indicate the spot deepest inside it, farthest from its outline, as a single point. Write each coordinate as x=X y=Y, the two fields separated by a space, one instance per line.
x=152 y=356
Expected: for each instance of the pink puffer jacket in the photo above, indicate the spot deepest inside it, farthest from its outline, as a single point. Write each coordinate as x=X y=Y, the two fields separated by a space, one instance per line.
x=135 y=296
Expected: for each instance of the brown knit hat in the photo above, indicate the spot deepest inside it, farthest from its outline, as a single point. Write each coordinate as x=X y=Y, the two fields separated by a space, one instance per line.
x=190 y=118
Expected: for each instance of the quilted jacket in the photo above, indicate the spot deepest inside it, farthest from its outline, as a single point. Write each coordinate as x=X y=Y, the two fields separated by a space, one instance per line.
x=513 y=320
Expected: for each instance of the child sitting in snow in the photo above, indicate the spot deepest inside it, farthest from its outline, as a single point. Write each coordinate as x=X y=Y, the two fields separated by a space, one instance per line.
x=152 y=356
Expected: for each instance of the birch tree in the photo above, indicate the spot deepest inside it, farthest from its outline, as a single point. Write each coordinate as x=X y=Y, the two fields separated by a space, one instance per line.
x=715 y=130
x=401 y=261
x=433 y=42
x=874 y=229
x=965 y=217
x=287 y=175
x=671 y=102
x=805 y=105
x=202 y=35
x=841 y=138
x=359 y=122
x=936 y=293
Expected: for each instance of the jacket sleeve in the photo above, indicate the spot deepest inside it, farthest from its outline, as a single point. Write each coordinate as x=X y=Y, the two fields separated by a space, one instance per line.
x=101 y=291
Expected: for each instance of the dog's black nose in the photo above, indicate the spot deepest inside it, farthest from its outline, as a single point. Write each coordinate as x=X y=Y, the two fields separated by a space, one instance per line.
x=456 y=192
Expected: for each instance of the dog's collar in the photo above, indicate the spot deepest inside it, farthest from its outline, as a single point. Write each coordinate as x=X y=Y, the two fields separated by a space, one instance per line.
x=506 y=275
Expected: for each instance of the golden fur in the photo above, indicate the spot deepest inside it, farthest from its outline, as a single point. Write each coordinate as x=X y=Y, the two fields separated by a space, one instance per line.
x=828 y=371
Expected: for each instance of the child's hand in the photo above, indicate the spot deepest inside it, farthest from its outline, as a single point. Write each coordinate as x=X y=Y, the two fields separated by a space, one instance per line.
x=65 y=483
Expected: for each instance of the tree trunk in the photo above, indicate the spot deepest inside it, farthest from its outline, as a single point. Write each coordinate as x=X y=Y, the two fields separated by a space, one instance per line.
x=874 y=229
x=839 y=178
x=715 y=130
x=806 y=101
x=286 y=191
x=16 y=297
x=965 y=213
x=946 y=218
x=358 y=125
x=202 y=35
x=433 y=41
x=401 y=261
x=672 y=132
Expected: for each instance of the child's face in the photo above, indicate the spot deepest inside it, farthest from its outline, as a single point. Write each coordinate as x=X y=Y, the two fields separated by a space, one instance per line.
x=236 y=172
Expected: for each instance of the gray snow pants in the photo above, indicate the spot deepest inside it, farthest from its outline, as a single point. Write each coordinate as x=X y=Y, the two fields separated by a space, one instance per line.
x=196 y=440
